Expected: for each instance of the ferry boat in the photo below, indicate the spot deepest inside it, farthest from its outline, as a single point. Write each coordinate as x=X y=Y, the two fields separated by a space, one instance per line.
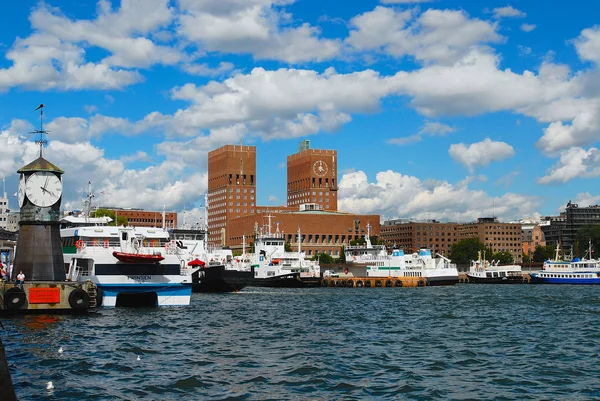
x=219 y=270
x=276 y=267
x=148 y=276
x=577 y=271
x=482 y=271
x=378 y=263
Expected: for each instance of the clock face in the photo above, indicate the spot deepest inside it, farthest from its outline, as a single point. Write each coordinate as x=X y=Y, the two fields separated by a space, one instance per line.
x=43 y=188
x=320 y=167
x=22 y=190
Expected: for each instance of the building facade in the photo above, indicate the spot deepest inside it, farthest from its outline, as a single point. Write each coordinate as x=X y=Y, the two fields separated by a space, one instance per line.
x=4 y=211
x=312 y=177
x=321 y=231
x=231 y=188
x=563 y=229
x=495 y=235
x=533 y=240
x=414 y=235
x=145 y=218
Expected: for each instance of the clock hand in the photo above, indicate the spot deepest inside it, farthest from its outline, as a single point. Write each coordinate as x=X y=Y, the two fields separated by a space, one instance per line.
x=46 y=183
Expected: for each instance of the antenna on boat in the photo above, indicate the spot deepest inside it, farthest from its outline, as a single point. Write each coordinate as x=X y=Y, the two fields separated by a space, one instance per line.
x=88 y=202
x=299 y=240
x=205 y=216
x=164 y=216
x=269 y=217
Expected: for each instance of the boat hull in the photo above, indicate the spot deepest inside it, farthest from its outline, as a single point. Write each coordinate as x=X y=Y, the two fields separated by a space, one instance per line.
x=535 y=279
x=219 y=279
x=291 y=280
x=154 y=294
x=495 y=280
x=442 y=280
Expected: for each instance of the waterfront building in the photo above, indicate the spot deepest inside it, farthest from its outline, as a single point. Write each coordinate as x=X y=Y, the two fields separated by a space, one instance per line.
x=495 y=235
x=563 y=229
x=414 y=235
x=231 y=188
x=311 y=201
x=533 y=236
x=312 y=177
x=145 y=218
x=13 y=221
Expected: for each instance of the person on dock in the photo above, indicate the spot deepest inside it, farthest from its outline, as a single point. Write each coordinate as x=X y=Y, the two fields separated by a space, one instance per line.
x=20 y=279
x=3 y=274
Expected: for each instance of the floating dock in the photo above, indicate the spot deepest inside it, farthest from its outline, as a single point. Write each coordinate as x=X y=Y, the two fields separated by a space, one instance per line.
x=372 y=282
x=48 y=297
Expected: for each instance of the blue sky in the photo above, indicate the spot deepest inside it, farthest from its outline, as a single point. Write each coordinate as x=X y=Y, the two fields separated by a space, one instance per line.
x=438 y=109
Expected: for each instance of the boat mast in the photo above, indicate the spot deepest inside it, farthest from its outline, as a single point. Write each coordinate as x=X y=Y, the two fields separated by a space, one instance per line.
x=299 y=241
x=368 y=236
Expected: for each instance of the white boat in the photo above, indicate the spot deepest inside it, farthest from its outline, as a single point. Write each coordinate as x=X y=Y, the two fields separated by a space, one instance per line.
x=576 y=271
x=378 y=263
x=276 y=267
x=131 y=266
x=485 y=272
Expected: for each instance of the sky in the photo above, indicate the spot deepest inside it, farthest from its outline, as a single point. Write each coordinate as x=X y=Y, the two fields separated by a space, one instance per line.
x=441 y=109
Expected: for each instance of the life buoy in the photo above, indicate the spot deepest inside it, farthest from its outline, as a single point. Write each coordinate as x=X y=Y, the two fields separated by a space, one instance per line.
x=14 y=298
x=79 y=299
x=346 y=271
x=79 y=244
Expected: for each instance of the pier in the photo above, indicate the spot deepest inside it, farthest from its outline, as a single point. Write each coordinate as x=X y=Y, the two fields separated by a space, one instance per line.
x=373 y=282
x=48 y=297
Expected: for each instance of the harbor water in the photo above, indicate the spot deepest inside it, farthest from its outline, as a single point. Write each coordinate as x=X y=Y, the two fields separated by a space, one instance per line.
x=449 y=343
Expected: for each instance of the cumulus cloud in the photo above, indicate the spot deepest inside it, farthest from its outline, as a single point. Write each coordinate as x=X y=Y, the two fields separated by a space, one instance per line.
x=252 y=26
x=508 y=12
x=394 y=195
x=528 y=27
x=588 y=44
x=573 y=163
x=404 y=1
x=431 y=128
x=442 y=36
x=481 y=153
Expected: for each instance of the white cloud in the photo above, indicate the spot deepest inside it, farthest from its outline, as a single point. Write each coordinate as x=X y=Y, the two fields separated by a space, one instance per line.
x=394 y=195
x=284 y=103
x=481 y=153
x=442 y=36
x=588 y=44
x=584 y=199
x=205 y=70
x=431 y=128
x=573 y=163
x=90 y=108
x=252 y=26
x=528 y=27
x=404 y=1
x=508 y=11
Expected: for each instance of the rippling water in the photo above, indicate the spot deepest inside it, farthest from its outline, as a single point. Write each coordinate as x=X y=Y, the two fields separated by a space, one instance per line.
x=465 y=342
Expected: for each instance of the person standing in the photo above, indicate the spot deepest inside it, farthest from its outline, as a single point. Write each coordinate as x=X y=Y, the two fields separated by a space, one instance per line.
x=20 y=279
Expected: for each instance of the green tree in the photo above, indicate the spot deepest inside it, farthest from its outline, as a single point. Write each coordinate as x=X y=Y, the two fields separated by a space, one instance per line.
x=526 y=258
x=543 y=253
x=323 y=258
x=287 y=247
x=503 y=257
x=116 y=221
x=466 y=250
x=583 y=238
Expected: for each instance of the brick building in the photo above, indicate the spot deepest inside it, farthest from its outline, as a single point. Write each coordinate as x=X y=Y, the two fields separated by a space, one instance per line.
x=311 y=196
x=231 y=188
x=495 y=235
x=312 y=177
x=321 y=230
x=534 y=238
x=413 y=235
x=145 y=218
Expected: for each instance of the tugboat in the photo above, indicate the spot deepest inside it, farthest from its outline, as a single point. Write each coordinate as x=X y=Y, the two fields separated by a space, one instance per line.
x=485 y=272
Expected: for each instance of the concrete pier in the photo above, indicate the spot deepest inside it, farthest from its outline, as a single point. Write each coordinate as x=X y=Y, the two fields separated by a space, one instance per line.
x=7 y=391
x=48 y=297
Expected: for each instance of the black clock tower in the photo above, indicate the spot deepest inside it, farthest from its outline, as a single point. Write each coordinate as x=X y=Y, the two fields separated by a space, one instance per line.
x=39 y=253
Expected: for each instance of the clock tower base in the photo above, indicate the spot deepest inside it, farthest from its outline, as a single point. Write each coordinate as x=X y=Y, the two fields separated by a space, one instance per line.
x=39 y=253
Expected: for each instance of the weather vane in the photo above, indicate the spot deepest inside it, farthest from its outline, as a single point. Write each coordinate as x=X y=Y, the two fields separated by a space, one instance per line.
x=41 y=131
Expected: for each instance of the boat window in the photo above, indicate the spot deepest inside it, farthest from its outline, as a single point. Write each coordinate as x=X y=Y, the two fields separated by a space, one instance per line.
x=124 y=236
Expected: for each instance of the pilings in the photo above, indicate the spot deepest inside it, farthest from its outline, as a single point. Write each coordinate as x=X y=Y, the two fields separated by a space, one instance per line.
x=373 y=282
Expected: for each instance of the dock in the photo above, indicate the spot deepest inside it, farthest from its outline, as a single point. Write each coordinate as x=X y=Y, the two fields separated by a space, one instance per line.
x=373 y=282
x=48 y=297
